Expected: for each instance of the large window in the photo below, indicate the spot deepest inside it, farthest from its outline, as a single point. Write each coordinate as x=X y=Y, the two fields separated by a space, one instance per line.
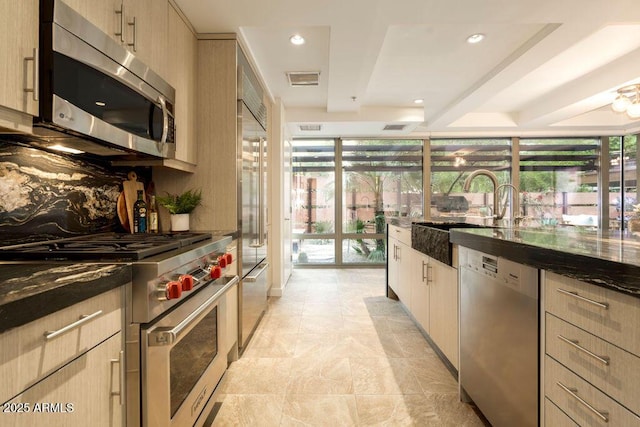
x=623 y=181
x=345 y=190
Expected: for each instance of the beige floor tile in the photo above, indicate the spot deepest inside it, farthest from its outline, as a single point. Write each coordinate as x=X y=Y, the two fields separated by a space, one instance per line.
x=249 y=410
x=256 y=376
x=413 y=344
x=381 y=376
x=318 y=410
x=318 y=345
x=268 y=344
x=320 y=324
x=432 y=375
x=320 y=375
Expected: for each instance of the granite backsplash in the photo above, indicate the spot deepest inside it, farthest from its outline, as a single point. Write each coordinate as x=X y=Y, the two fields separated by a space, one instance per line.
x=46 y=196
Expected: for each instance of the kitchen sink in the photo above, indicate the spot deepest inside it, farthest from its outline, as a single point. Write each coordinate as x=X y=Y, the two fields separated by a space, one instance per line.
x=432 y=238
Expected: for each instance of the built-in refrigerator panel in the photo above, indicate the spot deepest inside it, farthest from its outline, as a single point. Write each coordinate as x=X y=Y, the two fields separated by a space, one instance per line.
x=252 y=140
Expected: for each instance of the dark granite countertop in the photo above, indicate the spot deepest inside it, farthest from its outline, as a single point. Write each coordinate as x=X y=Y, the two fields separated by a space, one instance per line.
x=609 y=259
x=31 y=290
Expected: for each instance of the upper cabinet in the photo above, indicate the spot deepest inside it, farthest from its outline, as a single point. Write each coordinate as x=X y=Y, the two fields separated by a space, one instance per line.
x=181 y=74
x=141 y=26
x=18 y=68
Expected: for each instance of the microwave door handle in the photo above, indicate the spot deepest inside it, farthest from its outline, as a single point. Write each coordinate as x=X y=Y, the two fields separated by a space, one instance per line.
x=165 y=119
x=169 y=336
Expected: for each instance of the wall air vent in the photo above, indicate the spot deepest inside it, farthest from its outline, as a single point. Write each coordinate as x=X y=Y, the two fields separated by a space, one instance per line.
x=303 y=78
x=310 y=128
x=394 y=127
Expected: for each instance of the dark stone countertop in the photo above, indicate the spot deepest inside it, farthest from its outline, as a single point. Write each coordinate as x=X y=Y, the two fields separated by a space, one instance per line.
x=31 y=290
x=608 y=259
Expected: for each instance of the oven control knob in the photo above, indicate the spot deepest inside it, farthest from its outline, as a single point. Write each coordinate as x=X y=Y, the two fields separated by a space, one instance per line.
x=229 y=258
x=173 y=290
x=222 y=261
x=187 y=282
x=216 y=272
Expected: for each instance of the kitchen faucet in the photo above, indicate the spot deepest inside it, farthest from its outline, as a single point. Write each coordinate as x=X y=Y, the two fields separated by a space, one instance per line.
x=494 y=179
x=514 y=206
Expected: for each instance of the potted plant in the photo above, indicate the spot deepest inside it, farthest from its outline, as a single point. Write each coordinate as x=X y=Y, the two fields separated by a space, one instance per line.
x=180 y=206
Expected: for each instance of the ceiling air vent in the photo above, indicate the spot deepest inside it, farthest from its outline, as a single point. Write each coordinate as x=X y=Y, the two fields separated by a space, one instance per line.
x=394 y=127
x=310 y=128
x=303 y=78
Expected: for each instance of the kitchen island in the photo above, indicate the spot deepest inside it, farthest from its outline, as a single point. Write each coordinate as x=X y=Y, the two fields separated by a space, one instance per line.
x=589 y=313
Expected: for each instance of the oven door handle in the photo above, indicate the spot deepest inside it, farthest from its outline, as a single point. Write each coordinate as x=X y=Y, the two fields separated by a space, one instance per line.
x=164 y=336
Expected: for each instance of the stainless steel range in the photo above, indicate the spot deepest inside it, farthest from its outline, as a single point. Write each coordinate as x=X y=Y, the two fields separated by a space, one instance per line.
x=174 y=316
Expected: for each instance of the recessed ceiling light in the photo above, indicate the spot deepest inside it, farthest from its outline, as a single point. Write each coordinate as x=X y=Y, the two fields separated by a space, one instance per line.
x=296 y=39
x=475 y=38
x=100 y=104
x=418 y=101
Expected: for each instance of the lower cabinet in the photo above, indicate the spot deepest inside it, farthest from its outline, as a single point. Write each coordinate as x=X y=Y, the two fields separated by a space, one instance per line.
x=84 y=392
x=434 y=302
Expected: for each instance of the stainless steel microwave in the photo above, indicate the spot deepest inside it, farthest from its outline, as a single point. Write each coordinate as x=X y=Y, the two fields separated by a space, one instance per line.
x=95 y=95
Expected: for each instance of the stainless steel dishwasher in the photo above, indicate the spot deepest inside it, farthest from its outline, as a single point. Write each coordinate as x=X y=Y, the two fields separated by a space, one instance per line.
x=499 y=338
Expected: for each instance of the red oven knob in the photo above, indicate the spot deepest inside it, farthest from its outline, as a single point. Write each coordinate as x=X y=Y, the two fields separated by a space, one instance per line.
x=222 y=261
x=173 y=290
x=229 y=258
x=216 y=272
x=186 y=281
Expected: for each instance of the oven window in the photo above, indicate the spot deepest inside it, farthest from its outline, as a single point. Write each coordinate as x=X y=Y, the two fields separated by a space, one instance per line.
x=191 y=357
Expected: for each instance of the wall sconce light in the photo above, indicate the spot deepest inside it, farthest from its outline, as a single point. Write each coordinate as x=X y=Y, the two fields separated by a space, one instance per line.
x=624 y=103
x=459 y=161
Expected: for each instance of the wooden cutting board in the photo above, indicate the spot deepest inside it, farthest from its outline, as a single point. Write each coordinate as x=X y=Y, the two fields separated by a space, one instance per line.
x=131 y=187
x=121 y=207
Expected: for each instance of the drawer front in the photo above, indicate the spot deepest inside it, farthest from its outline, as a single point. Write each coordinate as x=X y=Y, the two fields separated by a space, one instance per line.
x=554 y=417
x=612 y=370
x=608 y=314
x=596 y=408
x=402 y=234
x=27 y=355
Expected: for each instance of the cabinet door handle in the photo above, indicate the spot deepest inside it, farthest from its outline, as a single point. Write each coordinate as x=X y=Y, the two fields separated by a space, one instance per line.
x=573 y=392
x=119 y=361
x=49 y=335
x=429 y=273
x=121 y=32
x=133 y=43
x=35 y=82
x=603 y=305
x=576 y=344
x=425 y=275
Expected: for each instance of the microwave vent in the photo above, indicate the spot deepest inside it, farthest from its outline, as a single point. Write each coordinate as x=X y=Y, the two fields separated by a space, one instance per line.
x=310 y=128
x=394 y=127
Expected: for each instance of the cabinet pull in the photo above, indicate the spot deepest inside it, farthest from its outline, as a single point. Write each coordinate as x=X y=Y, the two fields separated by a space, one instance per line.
x=573 y=393
x=576 y=344
x=603 y=305
x=121 y=32
x=119 y=361
x=133 y=43
x=35 y=89
x=429 y=273
x=425 y=275
x=49 y=335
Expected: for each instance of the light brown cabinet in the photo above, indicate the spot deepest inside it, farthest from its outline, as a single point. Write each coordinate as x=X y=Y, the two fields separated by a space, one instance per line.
x=592 y=352
x=399 y=262
x=66 y=369
x=18 y=68
x=102 y=14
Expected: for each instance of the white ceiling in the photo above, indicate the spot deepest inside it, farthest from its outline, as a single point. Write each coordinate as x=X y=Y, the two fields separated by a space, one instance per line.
x=546 y=67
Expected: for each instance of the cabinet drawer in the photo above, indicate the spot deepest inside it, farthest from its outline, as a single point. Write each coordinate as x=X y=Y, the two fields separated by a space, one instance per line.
x=402 y=234
x=614 y=371
x=554 y=417
x=611 y=315
x=27 y=355
x=575 y=406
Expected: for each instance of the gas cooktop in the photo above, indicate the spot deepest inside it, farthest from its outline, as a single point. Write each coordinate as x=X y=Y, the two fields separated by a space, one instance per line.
x=107 y=246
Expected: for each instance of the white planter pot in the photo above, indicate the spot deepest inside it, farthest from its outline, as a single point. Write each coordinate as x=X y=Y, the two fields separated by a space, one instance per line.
x=180 y=222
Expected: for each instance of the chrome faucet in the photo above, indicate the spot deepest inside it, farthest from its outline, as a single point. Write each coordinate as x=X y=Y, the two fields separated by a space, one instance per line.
x=514 y=207
x=494 y=179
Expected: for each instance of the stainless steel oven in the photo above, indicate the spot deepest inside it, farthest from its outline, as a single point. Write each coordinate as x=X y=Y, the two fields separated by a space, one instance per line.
x=183 y=358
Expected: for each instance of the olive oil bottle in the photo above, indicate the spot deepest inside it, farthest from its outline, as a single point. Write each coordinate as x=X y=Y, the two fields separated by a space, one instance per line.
x=153 y=215
x=140 y=214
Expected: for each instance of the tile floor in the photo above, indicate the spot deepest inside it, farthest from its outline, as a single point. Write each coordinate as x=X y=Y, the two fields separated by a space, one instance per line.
x=334 y=351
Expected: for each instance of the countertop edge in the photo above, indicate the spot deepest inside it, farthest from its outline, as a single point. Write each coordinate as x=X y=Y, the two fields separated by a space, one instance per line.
x=608 y=274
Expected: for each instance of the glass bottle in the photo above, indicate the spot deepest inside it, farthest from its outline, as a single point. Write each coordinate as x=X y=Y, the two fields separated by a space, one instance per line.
x=140 y=214
x=153 y=215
